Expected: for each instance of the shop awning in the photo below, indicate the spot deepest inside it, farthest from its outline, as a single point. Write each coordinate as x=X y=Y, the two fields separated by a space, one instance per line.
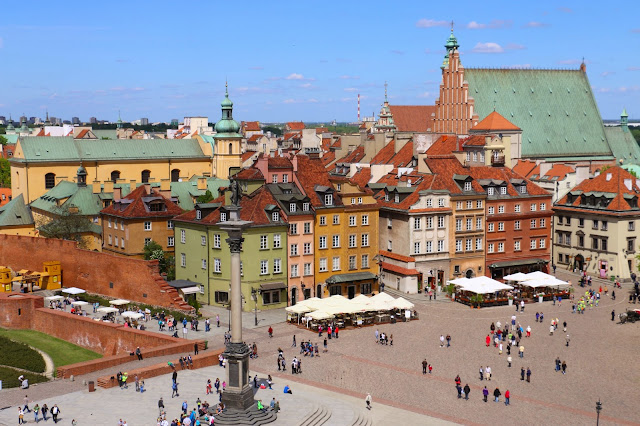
x=182 y=283
x=190 y=290
x=354 y=276
x=517 y=262
x=273 y=286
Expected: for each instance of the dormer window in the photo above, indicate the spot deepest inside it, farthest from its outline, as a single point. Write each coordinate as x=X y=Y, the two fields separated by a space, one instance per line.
x=223 y=217
x=328 y=199
x=491 y=190
x=305 y=207
x=503 y=190
x=386 y=196
x=396 y=198
x=339 y=187
x=523 y=189
x=275 y=216
x=467 y=186
x=198 y=214
x=292 y=207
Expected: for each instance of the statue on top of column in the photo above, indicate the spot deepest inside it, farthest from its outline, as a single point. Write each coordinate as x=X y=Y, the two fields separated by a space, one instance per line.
x=236 y=192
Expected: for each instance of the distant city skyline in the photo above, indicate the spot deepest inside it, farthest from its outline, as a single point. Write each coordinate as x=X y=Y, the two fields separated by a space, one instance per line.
x=288 y=61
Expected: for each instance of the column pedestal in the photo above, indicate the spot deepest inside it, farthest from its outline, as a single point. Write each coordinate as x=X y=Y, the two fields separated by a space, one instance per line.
x=239 y=393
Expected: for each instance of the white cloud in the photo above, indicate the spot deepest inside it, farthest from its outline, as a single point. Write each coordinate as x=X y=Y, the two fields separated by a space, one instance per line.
x=429 y=23
x=535 y=24
x=607 y=73
x=312 y=100
x=565 y=9
x=294 y=76
x=636 y=30
x=426 y=95
x=515 y=46
x=306 y=85
x=350 y=77
x=256 y=68
x=572 y=62
x=289 y=101
x=495 y=24
x=397 y=52
x=138 y=89
x=488 y=48
x=633 y=69
x=351 y=89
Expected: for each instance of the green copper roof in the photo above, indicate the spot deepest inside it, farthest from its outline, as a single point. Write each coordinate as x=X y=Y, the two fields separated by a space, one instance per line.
x=67 y=193
x=624 y=113
x=623 y=144
x=452 y=42
x=227 y=127
x=187 y=191
x=44 y=148
x=15 y=213
x=555 y=109
x=105 y=133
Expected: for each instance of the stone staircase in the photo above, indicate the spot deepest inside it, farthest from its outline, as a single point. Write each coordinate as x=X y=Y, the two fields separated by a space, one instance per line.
x=251 y=416
x=362 y=419
x=319 y=415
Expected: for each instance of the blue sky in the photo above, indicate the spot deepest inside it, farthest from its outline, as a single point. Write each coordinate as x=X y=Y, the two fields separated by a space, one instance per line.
x=294 y=60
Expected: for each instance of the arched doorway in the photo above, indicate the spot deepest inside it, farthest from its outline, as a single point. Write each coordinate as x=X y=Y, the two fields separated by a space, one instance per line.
x=578 y=262
x=175 y=175
x=145 y=175
x=294 y=296
x=319 y=291
x=469 y=273
x=115 y=175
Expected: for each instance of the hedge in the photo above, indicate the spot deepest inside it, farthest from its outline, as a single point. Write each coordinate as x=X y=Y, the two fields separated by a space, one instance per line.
x=9 y=377
x=19 y=355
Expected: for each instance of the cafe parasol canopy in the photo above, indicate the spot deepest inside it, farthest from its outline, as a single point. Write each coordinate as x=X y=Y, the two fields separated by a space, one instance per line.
x=132 y=315
x=118 y=302
x=107 y=309
x=480 y=285
x=73 y=290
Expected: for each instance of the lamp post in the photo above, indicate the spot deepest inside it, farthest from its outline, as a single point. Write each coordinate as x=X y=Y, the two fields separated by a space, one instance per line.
x=254 y=296
x=598 y=409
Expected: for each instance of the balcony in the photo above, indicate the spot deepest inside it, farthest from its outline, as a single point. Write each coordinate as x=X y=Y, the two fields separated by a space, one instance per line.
x=497 y=160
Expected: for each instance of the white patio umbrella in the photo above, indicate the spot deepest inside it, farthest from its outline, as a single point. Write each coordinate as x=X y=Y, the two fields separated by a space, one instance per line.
x=380 y=305
x=132 y=315
x=79 y=303
x=402 y=303
x=361 y=298
x=298 y=309
x=518 y=276
x=383 y=296
x=119 y=302
x=319 y=315
x=73 y=290
x=107 y=309
x=54 y=298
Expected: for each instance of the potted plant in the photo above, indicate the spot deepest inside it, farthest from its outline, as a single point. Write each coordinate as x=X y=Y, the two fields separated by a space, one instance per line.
x=540 y=297
x=510 y=299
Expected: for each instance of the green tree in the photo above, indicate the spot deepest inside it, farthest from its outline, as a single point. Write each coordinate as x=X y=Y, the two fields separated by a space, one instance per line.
x=3 y=141
x=67 y=224
x=273 y=129
x=5 y=173
x=207 y=197
x=167 y=264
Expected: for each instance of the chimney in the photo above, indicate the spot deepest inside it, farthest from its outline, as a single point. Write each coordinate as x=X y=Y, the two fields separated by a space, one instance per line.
x=202 y=184
x=117 y=194
x=422 y=165
x=165 y=184
x=294 y=162
x=108 y=187
x=132 y=184
x=147 y=188
x=96 y=187
x=628 y=183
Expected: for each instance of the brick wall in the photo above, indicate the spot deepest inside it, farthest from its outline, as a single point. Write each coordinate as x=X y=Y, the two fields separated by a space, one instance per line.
x=16 y=310
x=98 y=273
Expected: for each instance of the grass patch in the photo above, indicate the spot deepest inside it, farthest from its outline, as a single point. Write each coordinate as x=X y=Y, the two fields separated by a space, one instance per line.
x=20 y=355
x=9 y=377
x=60 y=351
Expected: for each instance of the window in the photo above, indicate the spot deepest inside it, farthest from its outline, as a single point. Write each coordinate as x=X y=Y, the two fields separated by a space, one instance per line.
x=108 y=221
x=429 y=222
x=456 y=269
x=543 y=223
x=490 y=227
x=492 y=210
x=169 y=224
x=183 y=260
x=469 y=224
x=534 y=206
x=416 y=248
x=292 y=207
x=500 y=247
x=216 y=240
x=389 y=245
x=567 y=221
x=183 y=236
x=543 y=243
x=500 y=209
x=203 y=240
x=604 y=244
x=516 y=208
x=293 y=228
x=328 y=199
x=352 y=220
x=147 y=226
x=469 y=205
x=275 y=216
x=122 y=224
x=440 y=202
x=115 y=175
x=396 y=198
x=440 y=246
x=293 y=250
x=631 y=245
x=198 y=214
x=336 y=263
x=386 y=196
x=203 y=264
x=264 y=267
x=503 y=190
x=532 y=244
x=285 y=178
x=49 y=180
x=145 y=176
x=307 y=269
x=274 y=178
x=223 y=216
x=170 y=241
x=491 y=190
x=458 y=245
x=277 y=241
x=429 y=247
x=468 y=244
x=459 y=205
x=478 y=243
x=500 y=226
x=364 y=261
x=307 y=227
x=543 y=206
x=440 y=221
x=277 y=266
x=467 y=186
x=241 y=269
x=322 y=242
x=352 y=241
x=352 y=262
x=490 y=248
x=604 y=225
x=305 y=207
x=417 y=223
x=339 y=187
x=264 y=242
x=359 y=200
x=478 y=204
x=458 y=224
x=516 y=225
x=523 y=189
x=270 y=297
x=595 y=224
x=322 y=266
x=353 y=201
x=294 y=271
x=533 y=223
x=336 y=219
x=110 y=240
x=365 y=240
x=306 y=248
x=364 y=220
x=516 y=245
x=323 y=220
x=335 y=241
x=389 y=223
x=580 y=240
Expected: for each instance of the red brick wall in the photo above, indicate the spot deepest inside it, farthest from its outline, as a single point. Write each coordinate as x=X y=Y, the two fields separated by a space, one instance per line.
x=16 y=310
x=133 y=279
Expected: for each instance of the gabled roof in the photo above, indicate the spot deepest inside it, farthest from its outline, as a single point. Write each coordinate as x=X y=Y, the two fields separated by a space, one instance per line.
x=384 y=155
x=493 y=123
x=16 y=213
x=403 y=157
x=137 y=205
x=292 y=135
x=504 y=174
x=328 y=158
x=475 y=140
x=321 y=130
x=446 y=168
x=295 y=125
x=419 y=182
x=249 y=174
x=524 y=167
x=444 y=145
x=246 y=155
x=279 y=163
x=354 y=156
x=312 y=175
x=255 y=137
x=66 y=194
x=413 y=118
x=251 y=126
x=362 y=177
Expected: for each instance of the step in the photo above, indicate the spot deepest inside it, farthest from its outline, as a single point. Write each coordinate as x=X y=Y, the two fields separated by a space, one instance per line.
x=247 y=418
x=319 y=416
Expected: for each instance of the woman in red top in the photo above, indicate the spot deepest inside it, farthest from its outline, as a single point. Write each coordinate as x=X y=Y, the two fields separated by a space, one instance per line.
x=507 y=395
x=488 y=340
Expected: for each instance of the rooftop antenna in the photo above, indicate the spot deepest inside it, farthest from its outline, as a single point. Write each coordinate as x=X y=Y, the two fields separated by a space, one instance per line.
x=358 y=107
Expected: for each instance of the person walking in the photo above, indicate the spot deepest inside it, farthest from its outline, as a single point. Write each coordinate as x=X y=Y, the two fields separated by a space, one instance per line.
x=467 y=389
x=487 y=373
x=488 y=340
x=20 y=416
x=507 y=396
x=481 y=373
x=270 y=331
x=293 y=345
x=613 y=315
x=36 y=410
x=55 y=412
x=441 y=341
x=160 y=406
x=567 y=339
x=485 y=394
x=368 y=401
x=557 y=363
x=564 y=367
x=459 y=390
x=174 y=389
x=528 y=375
x=26 y=404
x=521 y=351
x=44 y=410
x=207 y=325
x=509 y=360
x=522 y=373
x=218 y=320
x=496 y=394
x=424 y=366
x=448 y=340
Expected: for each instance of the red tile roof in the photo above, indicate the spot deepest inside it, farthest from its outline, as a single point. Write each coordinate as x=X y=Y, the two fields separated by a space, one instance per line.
x=328 y=158
x=251 y=126
x=506 y=174
x=444 y=145
x=413 y=118
x=82 y=134
x=446 y=167
x=560 y=171
x=41 y=132
x=249 y=174
x=525 y=167
x=311 y=172
x=362 y=177
x=403 y=157
x=475 y=140
x=399 y=269
x=7 y=196
x=384 y=155
x=611 y=180
x=246 y=155
x=255 y=137
x=321 y=130
x=397 y=256
x=337 y=143
x=326 y=144
x=419 y=182
x=295 y=125
x=354 y=156
x=494 y=122
x=138 y=208
x=279 y=163
x=292 y=135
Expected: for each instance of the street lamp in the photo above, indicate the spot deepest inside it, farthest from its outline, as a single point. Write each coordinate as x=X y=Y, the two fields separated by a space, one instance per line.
x=254 y=296
x=598 y=409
